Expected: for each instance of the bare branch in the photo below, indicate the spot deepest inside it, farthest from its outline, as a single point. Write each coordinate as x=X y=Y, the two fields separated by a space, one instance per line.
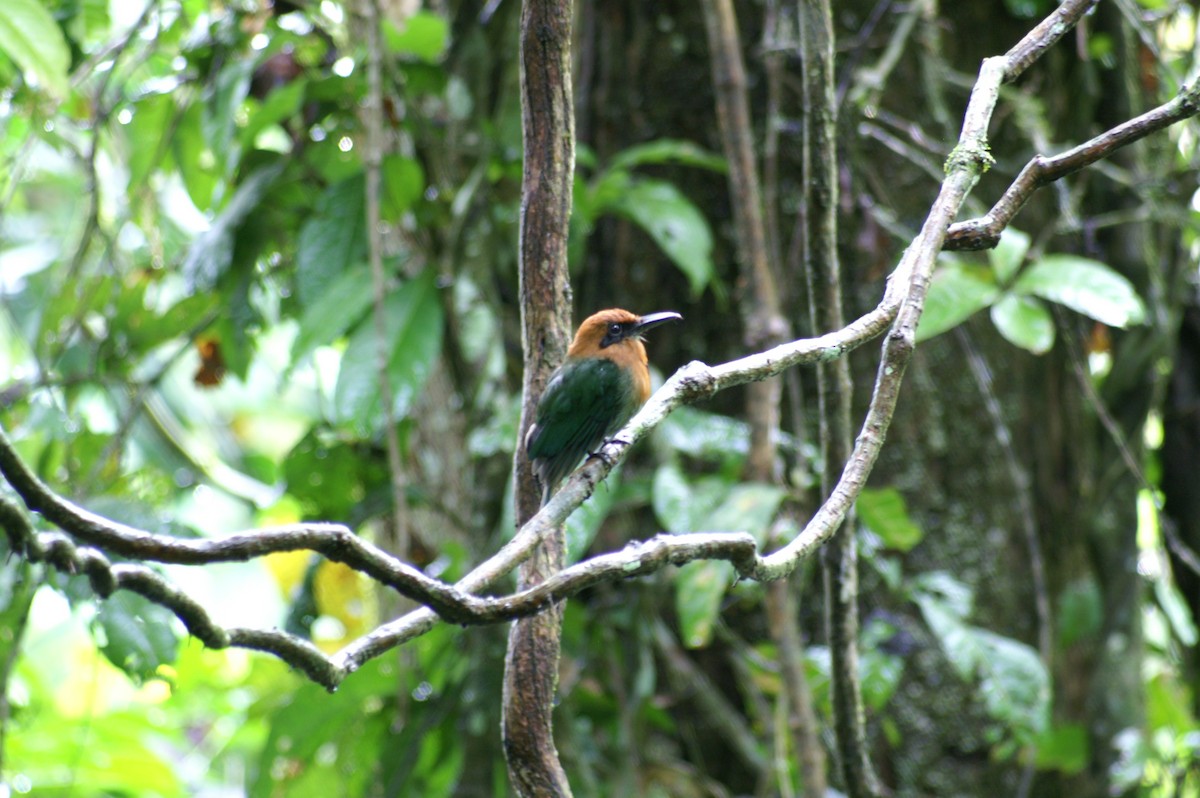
x=984 y=232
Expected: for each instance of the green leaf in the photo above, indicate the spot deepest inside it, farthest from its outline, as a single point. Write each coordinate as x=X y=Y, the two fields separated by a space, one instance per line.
x=1008 y=254
x=222 y=108
x=423 y=36
x=280 y=105
x=682 y=506
x=212 y=251
x=1085 y=286
x=403 y=185
x=334 y=312
x=413 y=341
x=957 y=291
x=331 y=239
x=31 y=37
x=886 y=514
x=126 y=758
x=699 y=588
x=138 y=636
x=748 y=507
x=144 y=137
x=701 y=434
x=1064 y=748
x=195 y=157
x=1013 y=682
x=674 y=223
x=664 y=151
x=1025 y=322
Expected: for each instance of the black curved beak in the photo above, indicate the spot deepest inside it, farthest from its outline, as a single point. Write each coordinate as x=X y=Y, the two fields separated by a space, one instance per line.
x=654 y=319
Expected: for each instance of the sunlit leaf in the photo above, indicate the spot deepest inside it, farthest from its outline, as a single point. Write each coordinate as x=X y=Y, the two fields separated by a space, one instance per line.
x=748 y=507
x=146 y=131
x=195 y=157
x=957 y=291
x=423 y=35
x=1085 y=286
x=138 y=636
x=334 y=311
x=1007 y=255
x=403 y=185
x=413 y=339
x=31 y=37
x=1025 y=322
x=332 y=239
x=681 y=506
x=885 y=513
x=674 y=223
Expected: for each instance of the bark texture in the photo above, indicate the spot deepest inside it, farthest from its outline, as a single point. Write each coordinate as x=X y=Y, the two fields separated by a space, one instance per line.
x=531 y=666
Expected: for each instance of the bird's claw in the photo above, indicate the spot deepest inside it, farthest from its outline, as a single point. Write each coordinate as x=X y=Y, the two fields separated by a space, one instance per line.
x=599 y=454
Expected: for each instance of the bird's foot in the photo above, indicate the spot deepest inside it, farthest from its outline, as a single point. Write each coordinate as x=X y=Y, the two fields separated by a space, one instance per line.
x=600 y=455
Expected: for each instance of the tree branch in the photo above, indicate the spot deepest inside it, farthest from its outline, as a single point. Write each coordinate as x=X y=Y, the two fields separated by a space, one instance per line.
x=902 y=302
x=984 y=232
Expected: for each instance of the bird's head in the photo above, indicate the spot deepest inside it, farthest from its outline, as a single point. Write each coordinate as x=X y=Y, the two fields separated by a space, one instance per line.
x=613 y=327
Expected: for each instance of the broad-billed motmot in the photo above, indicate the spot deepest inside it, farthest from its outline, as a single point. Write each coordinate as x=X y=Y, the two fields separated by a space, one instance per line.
x=599 y=387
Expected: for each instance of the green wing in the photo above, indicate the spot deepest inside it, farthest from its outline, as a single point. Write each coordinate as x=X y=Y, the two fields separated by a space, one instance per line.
x=584 y=401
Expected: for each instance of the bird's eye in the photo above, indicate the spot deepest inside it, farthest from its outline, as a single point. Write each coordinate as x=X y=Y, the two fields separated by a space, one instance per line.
x=614 y=329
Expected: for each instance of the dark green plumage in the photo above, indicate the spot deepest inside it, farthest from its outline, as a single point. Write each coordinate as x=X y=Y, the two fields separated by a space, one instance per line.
x=598 y=388
x=586 y=400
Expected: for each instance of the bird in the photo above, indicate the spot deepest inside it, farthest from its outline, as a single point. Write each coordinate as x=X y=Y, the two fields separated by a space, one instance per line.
x=597 y=389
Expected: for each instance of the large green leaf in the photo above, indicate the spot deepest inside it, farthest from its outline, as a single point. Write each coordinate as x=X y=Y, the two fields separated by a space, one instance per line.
x=403 y=185
x=195 y=157
x=1024 y=321
x=1085 y=286
x=138 y=636
x=680 y=505
x=662 y=151
x=1008 y=253
x=957 y=291
x=701 y=434
x=331 y=239
x=674 y=223
x=115 y=753
x=700 y=586
x=145 y=132
x=1013 y=681
x=413 y=341
x=31 y=37
x=334 y=312
x=884 y=512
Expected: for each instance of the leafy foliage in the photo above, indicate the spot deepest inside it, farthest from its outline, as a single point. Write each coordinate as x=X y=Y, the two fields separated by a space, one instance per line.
x=960 y=289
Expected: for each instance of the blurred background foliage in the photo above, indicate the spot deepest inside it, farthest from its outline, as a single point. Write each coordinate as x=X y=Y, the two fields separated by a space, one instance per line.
x=186 y=345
